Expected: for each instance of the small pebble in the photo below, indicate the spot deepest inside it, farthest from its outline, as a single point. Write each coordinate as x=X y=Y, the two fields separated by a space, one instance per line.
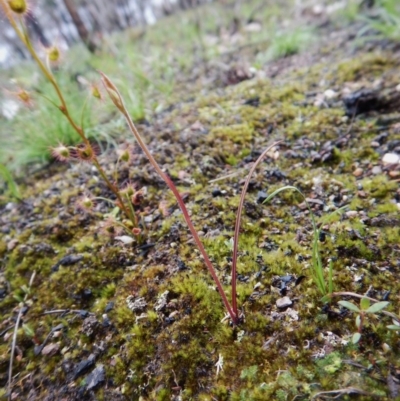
x=376 y=170
x=330 y=94
x=125 y=239
x=391 y=158
x=216 y=192
x=358 y=172
x=12 y=244
x=261 y=196
x=258 y=285
x=394 y=174
x=351 y=213
x=283 y=302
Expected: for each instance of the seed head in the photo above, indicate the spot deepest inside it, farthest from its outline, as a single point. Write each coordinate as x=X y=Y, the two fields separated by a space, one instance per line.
x=136 y=231
x=85 y=152
x=112 y=92
x=125 y=156
x=18 y=6
x=129 y=190
x=53 y=54
x=110 y=227
x=137 y=198
x=96 y=92
x=85 y=203
x=24 y=96
x=61 y=153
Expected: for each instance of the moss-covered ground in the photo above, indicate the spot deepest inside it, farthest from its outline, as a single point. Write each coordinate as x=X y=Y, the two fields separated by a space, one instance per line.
x=147 y=315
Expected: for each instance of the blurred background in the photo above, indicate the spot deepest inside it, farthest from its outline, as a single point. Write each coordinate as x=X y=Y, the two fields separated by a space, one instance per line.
x=89 y=21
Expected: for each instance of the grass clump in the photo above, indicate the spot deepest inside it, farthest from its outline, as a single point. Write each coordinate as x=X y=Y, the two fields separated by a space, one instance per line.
x=385 y=21
x=287 y=43
x=71 y=127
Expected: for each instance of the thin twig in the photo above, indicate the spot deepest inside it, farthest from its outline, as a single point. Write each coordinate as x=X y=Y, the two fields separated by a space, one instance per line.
x=341 y=391
x=64 y=311
x=14 y=340
x=13 y=346
x=237 y=224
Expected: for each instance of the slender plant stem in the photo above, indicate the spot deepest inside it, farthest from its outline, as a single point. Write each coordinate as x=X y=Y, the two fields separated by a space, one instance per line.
x=186 y=216
x=119 y=103
x=237 y=224
x=14 y=340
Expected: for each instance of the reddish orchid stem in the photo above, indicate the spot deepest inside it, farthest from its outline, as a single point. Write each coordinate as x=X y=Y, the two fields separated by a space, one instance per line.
x=232 y=314
x=237 y=225
x=119 y=103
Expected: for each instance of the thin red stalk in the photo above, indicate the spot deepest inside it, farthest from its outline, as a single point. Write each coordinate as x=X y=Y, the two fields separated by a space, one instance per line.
x=119 y=103
x=237 y=225
x=203 y=252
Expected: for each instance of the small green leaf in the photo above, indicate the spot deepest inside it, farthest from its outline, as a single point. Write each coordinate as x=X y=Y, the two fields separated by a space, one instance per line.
x=365 y=303
x=356 y=338
x=358 y=321
x=28 y=330
x=326 y=299
x=393 y=327
x=349 y=305
x=377 y=307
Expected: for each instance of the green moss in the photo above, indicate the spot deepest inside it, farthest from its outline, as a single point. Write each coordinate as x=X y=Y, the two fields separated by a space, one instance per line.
x=238 y=133
x=378 y=186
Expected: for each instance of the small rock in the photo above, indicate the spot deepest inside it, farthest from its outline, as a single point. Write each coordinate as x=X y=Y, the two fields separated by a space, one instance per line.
x=12 y=244
x=258 y=285
x=10 y=206
x=284 y=302
x=330 y=94
x=351 y=213
x=376 y=170
x=90 y=325
x=109 y=307
x=136 y=305
x=216 y=192
x=394 y=174
x=70 y=260
x=125 y=239
x=50 y=349
x=197 y=126
x=95 y=378
x=358 y=172
x=162 y=301
x=261 y=196
x=391 y=158
x=83 y=366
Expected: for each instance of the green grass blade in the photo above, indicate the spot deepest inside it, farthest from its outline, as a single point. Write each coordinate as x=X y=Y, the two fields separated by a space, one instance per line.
x=8 y=178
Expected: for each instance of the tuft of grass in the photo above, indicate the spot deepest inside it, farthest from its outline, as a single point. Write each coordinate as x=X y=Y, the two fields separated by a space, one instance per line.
x=10 y=182
x=324 y=285
x=287 y=43
x=386 y=20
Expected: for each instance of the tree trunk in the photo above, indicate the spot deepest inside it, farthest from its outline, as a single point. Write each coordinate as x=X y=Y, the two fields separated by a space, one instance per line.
x=80 y=26
x=34 y=26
